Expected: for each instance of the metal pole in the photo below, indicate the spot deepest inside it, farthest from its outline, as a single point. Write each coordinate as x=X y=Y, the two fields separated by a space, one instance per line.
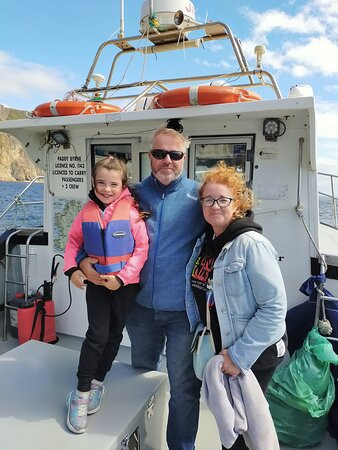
x=334 y=204
x=121 y=34
x=299 y=181
x=18 y=197
x=127 y=107
x=319 y=292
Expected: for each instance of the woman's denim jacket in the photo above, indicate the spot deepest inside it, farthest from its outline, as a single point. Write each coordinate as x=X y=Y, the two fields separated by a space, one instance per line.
x=249 y=295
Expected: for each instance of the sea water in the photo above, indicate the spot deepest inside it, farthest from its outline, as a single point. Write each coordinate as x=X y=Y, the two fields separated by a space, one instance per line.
x=20 y=215
x=32 y=215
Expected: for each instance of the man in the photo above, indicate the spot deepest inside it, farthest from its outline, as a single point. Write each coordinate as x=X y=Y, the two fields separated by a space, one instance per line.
x=161 y=315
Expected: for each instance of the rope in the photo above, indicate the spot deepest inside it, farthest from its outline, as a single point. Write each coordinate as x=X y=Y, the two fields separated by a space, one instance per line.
x=91 y=107
x=324 y=326
x=72 y=96
x=300 y=213
x=128 y=64
x=145 y=58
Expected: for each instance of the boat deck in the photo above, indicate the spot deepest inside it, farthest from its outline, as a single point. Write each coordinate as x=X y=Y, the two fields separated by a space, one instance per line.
x=33 y=409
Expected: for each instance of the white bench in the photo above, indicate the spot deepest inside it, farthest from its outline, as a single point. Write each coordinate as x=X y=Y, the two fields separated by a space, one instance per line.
x=34 y=380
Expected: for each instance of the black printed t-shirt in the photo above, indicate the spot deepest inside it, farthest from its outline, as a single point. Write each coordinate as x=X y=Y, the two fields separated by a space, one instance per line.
x=202 y=275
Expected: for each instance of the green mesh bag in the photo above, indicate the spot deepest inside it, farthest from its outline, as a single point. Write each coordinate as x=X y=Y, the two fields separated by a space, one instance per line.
x=302 y=392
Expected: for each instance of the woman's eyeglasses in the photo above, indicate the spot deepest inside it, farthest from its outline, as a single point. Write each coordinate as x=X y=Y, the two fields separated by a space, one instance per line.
x=222 y=202
x=175 y=155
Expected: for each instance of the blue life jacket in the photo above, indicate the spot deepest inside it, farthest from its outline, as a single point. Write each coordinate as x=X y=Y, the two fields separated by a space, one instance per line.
x=112 y=244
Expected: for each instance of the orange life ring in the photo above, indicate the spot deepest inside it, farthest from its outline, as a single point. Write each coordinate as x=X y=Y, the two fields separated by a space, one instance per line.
x=203 y=95
x=69 y=108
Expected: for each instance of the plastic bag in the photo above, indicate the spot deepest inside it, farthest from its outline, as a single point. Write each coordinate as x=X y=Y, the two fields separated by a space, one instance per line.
x=302 y=392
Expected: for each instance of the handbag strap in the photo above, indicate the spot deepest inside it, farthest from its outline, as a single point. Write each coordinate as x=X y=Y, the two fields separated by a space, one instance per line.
x=208 y=321
x=207 y=312
x=208 y=324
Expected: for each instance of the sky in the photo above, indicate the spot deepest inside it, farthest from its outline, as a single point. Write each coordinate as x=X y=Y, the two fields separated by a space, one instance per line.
x=47 y=47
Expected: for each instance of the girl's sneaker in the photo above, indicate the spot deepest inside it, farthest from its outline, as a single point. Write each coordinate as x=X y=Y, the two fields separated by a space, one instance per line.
x=77 y=412
x=96 y=395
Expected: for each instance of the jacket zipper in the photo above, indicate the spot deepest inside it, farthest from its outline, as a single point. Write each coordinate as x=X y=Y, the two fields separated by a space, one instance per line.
x=156 y=247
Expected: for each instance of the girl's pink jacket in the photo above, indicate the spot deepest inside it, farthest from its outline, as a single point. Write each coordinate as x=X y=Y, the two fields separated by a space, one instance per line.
x=131 y=271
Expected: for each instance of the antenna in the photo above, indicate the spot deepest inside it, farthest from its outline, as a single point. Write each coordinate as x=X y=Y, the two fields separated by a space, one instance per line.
x=151 y=8
x=259 y=52
x=98 y=79
x=121 y=33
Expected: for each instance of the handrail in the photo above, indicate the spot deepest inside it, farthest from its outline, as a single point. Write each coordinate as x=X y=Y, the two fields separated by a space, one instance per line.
x=333 y=197
x=17 y=199
x=116 y=87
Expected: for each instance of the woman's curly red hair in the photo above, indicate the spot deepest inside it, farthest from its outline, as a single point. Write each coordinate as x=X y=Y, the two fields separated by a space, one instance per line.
x=235 y=181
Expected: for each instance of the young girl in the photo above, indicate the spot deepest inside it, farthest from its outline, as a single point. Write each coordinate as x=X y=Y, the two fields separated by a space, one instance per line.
x=109 y=229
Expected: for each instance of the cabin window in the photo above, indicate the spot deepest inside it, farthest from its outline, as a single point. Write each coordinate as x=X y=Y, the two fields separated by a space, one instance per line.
x=121 y=150
x=235 y=151
x=144 y=165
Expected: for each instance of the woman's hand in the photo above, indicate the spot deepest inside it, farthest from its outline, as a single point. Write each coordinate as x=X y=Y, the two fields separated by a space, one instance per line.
x=77 y=278
x=228 y=366
x=110 y=282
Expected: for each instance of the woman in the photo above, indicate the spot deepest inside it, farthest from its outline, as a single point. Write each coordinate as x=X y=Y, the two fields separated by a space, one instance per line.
x=235 y=269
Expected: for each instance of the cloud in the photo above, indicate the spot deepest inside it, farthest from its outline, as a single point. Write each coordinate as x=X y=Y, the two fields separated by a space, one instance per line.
x=316 y=17
x=316 y=48
x=215 y=47
x=275 y=19
x=22 y=81
x=327 y=120
x=204 y=62
x=325 y=7
x=327 y=155
x=317 y=55
x=331 y=87
x=327 y=137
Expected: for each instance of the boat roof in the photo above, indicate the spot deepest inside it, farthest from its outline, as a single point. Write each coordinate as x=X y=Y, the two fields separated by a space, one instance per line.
x=254 y=109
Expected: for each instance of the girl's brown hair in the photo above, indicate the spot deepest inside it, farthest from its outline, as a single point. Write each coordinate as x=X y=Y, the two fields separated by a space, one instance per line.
x=111 y=163
x=228 y=176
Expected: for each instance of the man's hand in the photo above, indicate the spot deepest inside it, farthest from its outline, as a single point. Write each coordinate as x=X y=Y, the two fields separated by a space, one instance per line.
x=77 y=278
x=110 y=282
x=229 y=367
x=86 y=266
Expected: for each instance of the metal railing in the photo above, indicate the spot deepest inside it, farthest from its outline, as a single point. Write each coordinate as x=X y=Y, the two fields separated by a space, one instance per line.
x=173 y=40
x=332 y=197
x=18 y=199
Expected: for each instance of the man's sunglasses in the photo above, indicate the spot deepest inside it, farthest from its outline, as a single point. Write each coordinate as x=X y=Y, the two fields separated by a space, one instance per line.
x=175 y=155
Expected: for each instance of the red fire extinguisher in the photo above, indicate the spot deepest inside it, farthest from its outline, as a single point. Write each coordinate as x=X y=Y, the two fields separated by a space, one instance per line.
x=36 y=315
x=36 y=321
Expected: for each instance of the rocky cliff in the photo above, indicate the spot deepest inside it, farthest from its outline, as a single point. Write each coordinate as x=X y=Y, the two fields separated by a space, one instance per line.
x=15 y=164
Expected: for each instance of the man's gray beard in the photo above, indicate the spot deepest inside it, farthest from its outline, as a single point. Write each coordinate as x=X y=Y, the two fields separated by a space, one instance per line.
x=167 y=179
